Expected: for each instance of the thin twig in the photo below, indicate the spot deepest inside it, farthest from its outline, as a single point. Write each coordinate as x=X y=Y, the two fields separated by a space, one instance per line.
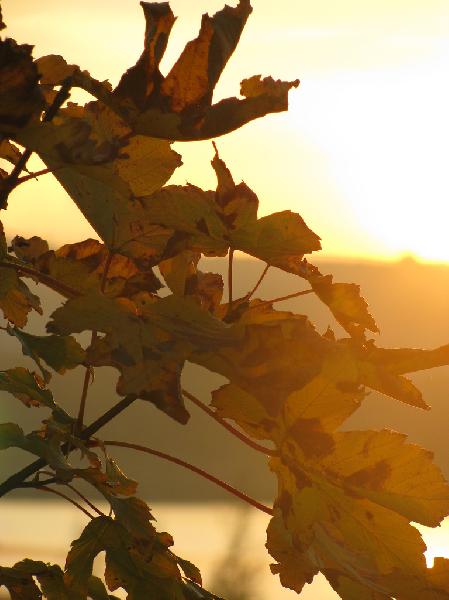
x=88 y=502
x=73 y=488
x=242 y=437
x=194 y=469
x=281 y=299
x=82 y=406
x=17 y=479
x=88 y=373
x=13 y=178
x=74 y=502
x=230 y=265
x=51 y=283
x=259 y=281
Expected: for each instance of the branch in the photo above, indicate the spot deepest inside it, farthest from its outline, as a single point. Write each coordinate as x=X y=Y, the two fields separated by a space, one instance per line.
x=53 y=284
x=74 y=502
x=241 y=436
x=13 y=179
x=197 y=470
x=18 y=478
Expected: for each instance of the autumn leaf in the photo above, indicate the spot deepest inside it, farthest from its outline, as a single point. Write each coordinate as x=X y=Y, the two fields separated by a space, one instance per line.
x=11 y=435
x=16 y=300
x=58 y=352
x=20 y=97
x=26 y=387
x=93 y=153
x=29 y=250
x=82 y=266
x=147 y=340
x=21 y=586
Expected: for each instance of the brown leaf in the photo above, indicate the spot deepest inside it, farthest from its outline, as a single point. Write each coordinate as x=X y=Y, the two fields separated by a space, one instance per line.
x=29 y=250
x=20 y=97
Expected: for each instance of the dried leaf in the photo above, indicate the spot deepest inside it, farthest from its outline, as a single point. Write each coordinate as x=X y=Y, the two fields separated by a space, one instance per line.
x=81 y=267
x=20 y=97
x=29 y=250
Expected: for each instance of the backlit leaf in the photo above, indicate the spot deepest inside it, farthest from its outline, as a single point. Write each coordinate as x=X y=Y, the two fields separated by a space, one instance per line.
x=27 y=387
x=81 y=266
x=16 y=300
x=29 y=250
x=58 y=352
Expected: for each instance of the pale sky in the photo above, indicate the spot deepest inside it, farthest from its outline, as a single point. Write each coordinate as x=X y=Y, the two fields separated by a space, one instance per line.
x=362 y=153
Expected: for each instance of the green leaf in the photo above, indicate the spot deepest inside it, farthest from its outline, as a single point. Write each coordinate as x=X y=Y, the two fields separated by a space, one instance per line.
x=27 y=387
x=11 y=435
x=59 y=352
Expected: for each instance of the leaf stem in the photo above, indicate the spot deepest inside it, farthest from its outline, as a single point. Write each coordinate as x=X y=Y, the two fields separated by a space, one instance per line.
x=194 y=469
x=241 y=436
x=74 y=502
x=280 y=299
x=73 y=488
x=15 y=480
x=89 y=370
x=51 y=283
x=13 y=179
x=259 y=281
x=230 y=268
x=34 y=175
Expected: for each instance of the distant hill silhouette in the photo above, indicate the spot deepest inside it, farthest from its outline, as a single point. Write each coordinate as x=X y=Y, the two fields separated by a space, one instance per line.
x=410 y=302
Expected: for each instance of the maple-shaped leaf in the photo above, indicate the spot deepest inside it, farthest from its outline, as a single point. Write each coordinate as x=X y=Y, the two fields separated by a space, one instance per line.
x=16 y=300
x=57 y=351
x=147 y=340
x=179 y=105
x=143 y=565
x=279 y=352
x=280 y=239
x=29 y=250
x=82 y=266
x=93 y=153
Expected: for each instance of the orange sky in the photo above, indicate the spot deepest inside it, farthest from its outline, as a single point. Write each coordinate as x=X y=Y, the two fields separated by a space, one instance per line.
x=361 y=154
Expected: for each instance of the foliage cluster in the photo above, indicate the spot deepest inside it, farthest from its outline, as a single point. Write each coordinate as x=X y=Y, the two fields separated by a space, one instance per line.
x=345 y=498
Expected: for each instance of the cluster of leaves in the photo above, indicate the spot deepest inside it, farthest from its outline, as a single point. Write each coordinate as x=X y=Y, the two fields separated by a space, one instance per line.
x=346 y=499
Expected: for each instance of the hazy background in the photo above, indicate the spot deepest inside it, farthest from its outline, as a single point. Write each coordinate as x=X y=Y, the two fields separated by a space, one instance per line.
x=361 y=155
